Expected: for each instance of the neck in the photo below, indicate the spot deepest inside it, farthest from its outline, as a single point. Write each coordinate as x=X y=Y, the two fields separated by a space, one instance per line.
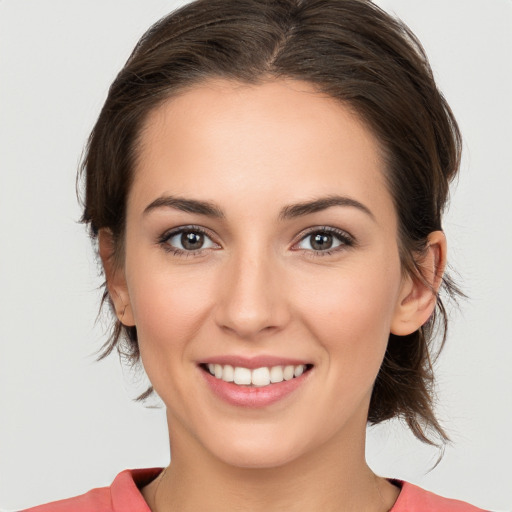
x=332 y=477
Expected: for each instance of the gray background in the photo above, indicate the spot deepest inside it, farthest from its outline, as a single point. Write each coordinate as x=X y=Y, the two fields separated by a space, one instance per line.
x=67 y=423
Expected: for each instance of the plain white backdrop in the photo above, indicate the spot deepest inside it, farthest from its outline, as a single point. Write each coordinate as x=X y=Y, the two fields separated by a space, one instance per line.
x=68 y=423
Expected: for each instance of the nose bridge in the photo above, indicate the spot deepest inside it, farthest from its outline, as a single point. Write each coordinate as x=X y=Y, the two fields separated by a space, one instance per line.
x=251 y=302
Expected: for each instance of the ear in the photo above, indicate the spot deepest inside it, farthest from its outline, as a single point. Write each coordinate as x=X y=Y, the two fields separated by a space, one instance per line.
x=115 y=277
x=418 y=297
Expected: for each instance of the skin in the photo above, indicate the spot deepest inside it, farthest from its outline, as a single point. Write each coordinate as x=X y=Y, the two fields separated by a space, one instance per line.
x=258 y=287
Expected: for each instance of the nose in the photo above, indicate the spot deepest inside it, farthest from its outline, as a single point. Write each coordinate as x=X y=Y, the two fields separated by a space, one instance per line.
x=252 y=299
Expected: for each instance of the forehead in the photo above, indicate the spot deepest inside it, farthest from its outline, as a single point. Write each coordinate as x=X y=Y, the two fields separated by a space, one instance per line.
x=280 y=139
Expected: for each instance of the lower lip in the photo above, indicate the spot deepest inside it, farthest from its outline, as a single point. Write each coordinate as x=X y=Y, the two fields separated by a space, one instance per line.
x=253 y=396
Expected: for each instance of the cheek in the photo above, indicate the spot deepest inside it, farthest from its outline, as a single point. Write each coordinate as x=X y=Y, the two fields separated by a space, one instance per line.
x=350 y=313
x=168 y=304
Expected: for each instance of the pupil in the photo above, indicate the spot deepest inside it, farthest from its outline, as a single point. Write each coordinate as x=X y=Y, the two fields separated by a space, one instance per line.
x=321 y=241
x=192 y=240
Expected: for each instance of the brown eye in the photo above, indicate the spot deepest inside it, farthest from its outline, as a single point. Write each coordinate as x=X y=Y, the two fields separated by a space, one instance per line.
x=188 y=240
x=325 y=239
x=192 y=240
x=321 y=241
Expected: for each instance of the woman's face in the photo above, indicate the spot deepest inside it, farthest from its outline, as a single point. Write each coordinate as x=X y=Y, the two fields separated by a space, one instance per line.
x=260 y=235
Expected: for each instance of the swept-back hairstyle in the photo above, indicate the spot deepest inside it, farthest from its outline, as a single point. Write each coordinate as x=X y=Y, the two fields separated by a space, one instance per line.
x=350 y=50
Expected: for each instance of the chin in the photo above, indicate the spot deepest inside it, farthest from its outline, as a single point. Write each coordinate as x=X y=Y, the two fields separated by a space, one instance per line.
x=255 y=459
x=267 y=451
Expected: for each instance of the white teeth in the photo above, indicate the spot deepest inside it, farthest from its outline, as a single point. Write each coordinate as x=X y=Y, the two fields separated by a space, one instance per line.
x=288 y=372
x=276 y=374
x=257 y=377
x=228 y=373
x=242 y=376
x=260 y=377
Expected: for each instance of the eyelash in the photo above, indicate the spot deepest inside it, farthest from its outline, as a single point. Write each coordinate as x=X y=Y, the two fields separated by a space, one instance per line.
x=163 y=240
x=345 y=238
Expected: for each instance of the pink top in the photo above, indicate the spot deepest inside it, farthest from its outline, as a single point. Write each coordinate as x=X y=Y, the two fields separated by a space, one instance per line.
x=124 y=496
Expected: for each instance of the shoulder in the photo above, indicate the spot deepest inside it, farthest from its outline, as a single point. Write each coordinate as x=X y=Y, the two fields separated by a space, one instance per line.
x=416 y=499
x=96 y=500
x=122 y=496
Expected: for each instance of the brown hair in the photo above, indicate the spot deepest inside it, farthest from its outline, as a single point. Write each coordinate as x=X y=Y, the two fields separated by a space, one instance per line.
x=350 y=50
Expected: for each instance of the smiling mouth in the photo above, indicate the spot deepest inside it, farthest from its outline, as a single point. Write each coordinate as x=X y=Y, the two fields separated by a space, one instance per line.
x=257 y=377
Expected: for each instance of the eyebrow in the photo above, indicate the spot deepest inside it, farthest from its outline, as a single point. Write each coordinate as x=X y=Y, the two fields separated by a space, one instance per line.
x=317 y=205
x=288 y=212
x=186 y=205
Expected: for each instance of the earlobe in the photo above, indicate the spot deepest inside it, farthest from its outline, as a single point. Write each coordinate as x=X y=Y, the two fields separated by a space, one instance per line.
x=115 y=278
x=418 y=296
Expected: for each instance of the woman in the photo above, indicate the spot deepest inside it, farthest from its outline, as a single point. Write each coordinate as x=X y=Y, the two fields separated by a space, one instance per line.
x=266 y=182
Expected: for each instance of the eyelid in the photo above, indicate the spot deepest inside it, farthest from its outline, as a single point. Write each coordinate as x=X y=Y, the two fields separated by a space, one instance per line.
x=164 y=238
x=345 y=237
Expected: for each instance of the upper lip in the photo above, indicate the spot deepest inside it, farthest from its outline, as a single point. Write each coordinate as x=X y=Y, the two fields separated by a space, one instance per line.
x=253 y=362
